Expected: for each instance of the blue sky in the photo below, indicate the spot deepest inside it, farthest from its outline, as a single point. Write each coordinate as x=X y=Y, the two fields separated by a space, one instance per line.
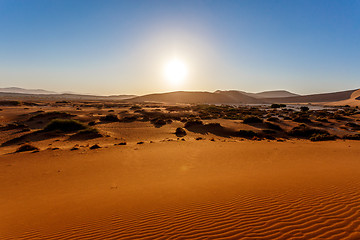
x=117 y=47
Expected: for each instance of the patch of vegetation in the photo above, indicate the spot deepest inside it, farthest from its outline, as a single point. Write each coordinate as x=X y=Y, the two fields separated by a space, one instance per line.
x=273 y=126
x=50 y=115
x=322 y=137
x=88 y=133
x=193 y=123
x=246 y=134
x=109 y=118
x=354 y=126
x=252 y=119
x=159 y=123
x=320 y=119
x=12 y=126
x=65 y=125
x=9 y=103
x=352 y=137
x=302 y=119
x=95 y=146
x=132 y=118
x=275 y=105
x=92 y=123
x=304 y=131
x=180 y=132
x=304 y=109
x=273 y=119
x=27 y=148
x=135 y=107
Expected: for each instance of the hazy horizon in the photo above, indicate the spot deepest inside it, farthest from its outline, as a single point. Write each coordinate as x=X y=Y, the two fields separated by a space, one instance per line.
x=124 y=47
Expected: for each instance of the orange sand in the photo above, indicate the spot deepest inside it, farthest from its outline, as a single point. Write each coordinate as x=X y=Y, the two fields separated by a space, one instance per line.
x=184 y=190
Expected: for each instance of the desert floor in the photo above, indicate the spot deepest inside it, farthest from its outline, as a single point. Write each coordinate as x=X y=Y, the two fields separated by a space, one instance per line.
x=184 y=190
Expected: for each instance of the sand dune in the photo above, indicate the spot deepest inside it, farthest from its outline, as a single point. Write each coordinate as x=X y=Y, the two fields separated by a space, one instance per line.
x=315 y=98
x=192 y=190
x=229 y=97
x=354 y=100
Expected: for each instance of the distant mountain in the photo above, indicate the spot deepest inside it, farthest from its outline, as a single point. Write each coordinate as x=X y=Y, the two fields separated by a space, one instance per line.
x=218 y=97
x=25 y=91
x=22 y=92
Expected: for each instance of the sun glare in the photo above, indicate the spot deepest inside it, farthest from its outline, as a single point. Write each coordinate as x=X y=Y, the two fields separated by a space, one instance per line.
x=175 y=71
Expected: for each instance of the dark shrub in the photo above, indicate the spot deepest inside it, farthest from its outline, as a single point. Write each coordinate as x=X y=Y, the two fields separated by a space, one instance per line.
x=95 y=146
x=50 y=115
x=88 y=133
x=129 y=119
x=322 y=137
x=65 y=125
x=273 y=126
x=252 y=119
x=287 y=118
x=135 y=107
x=92 y=123
x=302 y=119
x=305 y=131
x=10 y=103
x=109 y=118
x=246 y=134
x=12 y=126
x=192 y=123
x=180 y=132
x=339 y=117
x=275 y=105
x=353 y=126
x=273 y=119
x=319 y=119
x=159 y=123
x=26 y=148
x=304 y=109
x=352 y=137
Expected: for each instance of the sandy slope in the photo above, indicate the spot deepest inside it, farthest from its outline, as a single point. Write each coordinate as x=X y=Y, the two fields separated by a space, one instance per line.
x=354 y=100
x=184 y=190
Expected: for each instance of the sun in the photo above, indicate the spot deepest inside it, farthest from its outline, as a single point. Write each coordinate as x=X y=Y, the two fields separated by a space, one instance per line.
x=175 y=71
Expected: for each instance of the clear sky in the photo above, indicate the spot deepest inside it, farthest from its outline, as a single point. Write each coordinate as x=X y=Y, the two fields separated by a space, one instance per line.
x=119 y=47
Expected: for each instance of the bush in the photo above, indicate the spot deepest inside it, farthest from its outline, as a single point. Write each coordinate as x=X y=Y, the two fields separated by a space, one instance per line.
x=275 y=105
x=95 y=147
x=252 y=119
x=180 y=132
x=354 y=126
x=135 y=107
x=246 y=134
x=10 y=103
x=64 y=125
x=322 y=137
x=319 y=119
x=129 y=119
x=305 y=131
x=273 y=119
x=159 y=123
x=273 y=126
x=88 y=133
x=26 y=148
x=352 y=137
x=192 y=123
x=109 y=118
x=302 y=119
x=304 y=109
